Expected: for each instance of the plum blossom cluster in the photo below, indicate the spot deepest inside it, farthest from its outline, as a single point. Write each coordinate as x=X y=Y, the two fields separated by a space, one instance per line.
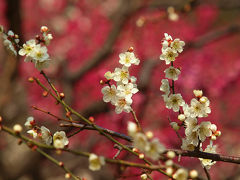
x=10 y=40
x=35 y=50
x=120 y=85
x=59 y=139
x=145 y=142
x=195 y=132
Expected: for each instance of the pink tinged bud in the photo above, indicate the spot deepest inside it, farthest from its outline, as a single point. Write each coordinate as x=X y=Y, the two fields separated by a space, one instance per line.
x=44 y=29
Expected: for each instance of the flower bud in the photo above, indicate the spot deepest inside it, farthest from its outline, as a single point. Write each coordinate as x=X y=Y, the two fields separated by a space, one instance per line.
x=45 y=93
x=171 y=154
x=141 y=156
x=213 y=137
x=61 y=96
x=203 y=100
x=198 y=93
x=91 y=119
x=193 y=174
x=175 y=126
x=169 y=163
x=130 y=49
x=169 y=171
x=144 y=177
x=44 y=29
x=218 y=133
x=17 y=128
x=30 y=79
x=149 y=134
x=67 y=176
x=61 y=164
x=213 y=128
x=181 y=117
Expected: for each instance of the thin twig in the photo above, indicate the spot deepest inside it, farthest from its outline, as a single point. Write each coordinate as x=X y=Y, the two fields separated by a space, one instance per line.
x=207 y=173
x=136 y=119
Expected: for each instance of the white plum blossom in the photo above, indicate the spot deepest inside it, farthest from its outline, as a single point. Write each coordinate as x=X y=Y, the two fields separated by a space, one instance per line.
x=126 y=91
x=109 y=75
x=95 y=162
x=186 y=145
x=40 y=53
x=166 y=41
x=154 y=149
x=46 y=135
x=42 y=64
x=27 y=50
x=208 y=162
x=132 y=128
x=140 y=141
x=9 y=40
x=33 y=133
x=60 y=139
x=181 y=174
x=198 y=109
x=165 y=86
x=174 y=102
x=177 y=45
x=204 y=130
x=128 y=58
x=29 y=122
x=123 y=104
x=172 y=73
x=121 y=75
x=168 y=55
x=110 y=94
x=198 y=93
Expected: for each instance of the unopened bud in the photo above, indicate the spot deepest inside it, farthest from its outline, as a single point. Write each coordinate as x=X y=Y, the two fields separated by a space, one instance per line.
x=149 y=134
x=218 y=133
x=68 y=114
x=45 y=93
x=203 y=100
x=175 y=126
x=130 y=49
x=193 y=174
x=44 y=29
x=61 y=96
x=213 y=137
x=169 y=171
x=30 y=79
x=58 y=151
x=67 y=176
x=61 y=164
x=171 y=154
x=135 y=150
x=169 y=163
x=144 y=177
x=213 y=128
x=16 y=36
x=1 y=119
x=198 y=93
x=17 y=128
x=181 y=117
x=91 y=119
x=102 y=82
x=141 y=156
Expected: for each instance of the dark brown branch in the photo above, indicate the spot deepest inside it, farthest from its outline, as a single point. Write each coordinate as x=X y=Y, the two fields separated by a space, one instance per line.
x=207 y=173
x=113 y=133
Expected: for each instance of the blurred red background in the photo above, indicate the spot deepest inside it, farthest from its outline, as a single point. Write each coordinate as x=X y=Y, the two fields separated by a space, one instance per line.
x=88 y=36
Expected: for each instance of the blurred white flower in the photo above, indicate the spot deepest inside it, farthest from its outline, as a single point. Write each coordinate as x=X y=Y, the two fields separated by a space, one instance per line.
x=128 y=58
x=168 y=55
x=181 y=174
x=95 y=162
x=172 y=73
x=174 y=102
x=46 y=135
x=60 y=139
